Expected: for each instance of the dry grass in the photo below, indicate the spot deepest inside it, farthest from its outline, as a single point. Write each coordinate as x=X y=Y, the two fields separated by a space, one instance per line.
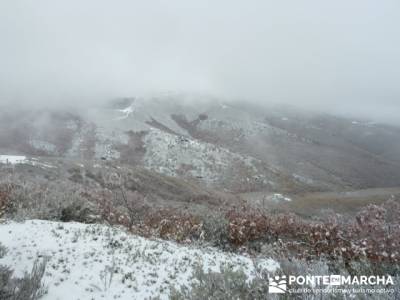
x=341 y=202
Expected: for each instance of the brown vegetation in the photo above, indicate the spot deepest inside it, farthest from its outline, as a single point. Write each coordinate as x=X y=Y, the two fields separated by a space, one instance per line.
x=373 y=234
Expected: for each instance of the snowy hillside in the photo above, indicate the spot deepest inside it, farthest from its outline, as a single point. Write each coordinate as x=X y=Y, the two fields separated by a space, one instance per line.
x=228 y=146
x=101 y=262
x=180 y=156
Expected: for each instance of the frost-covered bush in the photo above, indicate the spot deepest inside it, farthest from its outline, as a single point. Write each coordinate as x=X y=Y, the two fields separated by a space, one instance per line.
x=29 y=287
x=215 y=230
x=49 y=200
x=224 y=285
x=374 y=234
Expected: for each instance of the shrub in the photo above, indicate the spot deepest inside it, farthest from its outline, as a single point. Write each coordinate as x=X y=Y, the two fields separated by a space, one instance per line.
x=49 y=200
x=224 y=285
x=174 y=225
x=3 y=251
x=374 y=234
x=79 y=211
x=29 y=287
x=4 y=198
x=215 y=231
x=229 y=284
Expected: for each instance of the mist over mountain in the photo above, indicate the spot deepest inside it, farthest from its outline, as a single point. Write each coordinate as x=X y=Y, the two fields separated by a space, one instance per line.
x=339 y=57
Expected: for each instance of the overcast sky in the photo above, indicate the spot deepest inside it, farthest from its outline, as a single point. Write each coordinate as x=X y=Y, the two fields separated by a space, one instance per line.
x=337 y=55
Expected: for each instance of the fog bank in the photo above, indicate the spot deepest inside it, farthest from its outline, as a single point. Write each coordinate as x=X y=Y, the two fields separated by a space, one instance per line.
x=339 y=56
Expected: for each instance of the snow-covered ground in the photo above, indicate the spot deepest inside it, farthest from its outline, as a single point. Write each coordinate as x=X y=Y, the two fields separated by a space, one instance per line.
x=12 y=159
x=19 y=159
x=102 y=262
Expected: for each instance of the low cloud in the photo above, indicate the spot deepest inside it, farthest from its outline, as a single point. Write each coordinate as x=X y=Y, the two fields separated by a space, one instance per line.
x=338 y=57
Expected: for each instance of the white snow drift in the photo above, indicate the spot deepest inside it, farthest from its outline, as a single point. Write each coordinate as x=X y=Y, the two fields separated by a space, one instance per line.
x=20 y=159
x=12 y=159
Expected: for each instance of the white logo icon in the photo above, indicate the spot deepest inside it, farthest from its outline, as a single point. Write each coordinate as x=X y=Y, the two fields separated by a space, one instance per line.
x=335 y=280
x=277 y=284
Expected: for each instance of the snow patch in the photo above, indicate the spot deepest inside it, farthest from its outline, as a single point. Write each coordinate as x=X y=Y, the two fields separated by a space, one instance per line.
x=224 y=106
x=12 y=159
x=126 y=112
x=20 y=159
x=280 y=197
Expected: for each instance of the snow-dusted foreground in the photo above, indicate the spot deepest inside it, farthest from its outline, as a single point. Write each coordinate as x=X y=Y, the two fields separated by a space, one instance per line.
x=101 y=262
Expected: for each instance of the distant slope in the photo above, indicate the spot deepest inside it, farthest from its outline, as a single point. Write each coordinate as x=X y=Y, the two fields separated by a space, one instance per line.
x=228 y=146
